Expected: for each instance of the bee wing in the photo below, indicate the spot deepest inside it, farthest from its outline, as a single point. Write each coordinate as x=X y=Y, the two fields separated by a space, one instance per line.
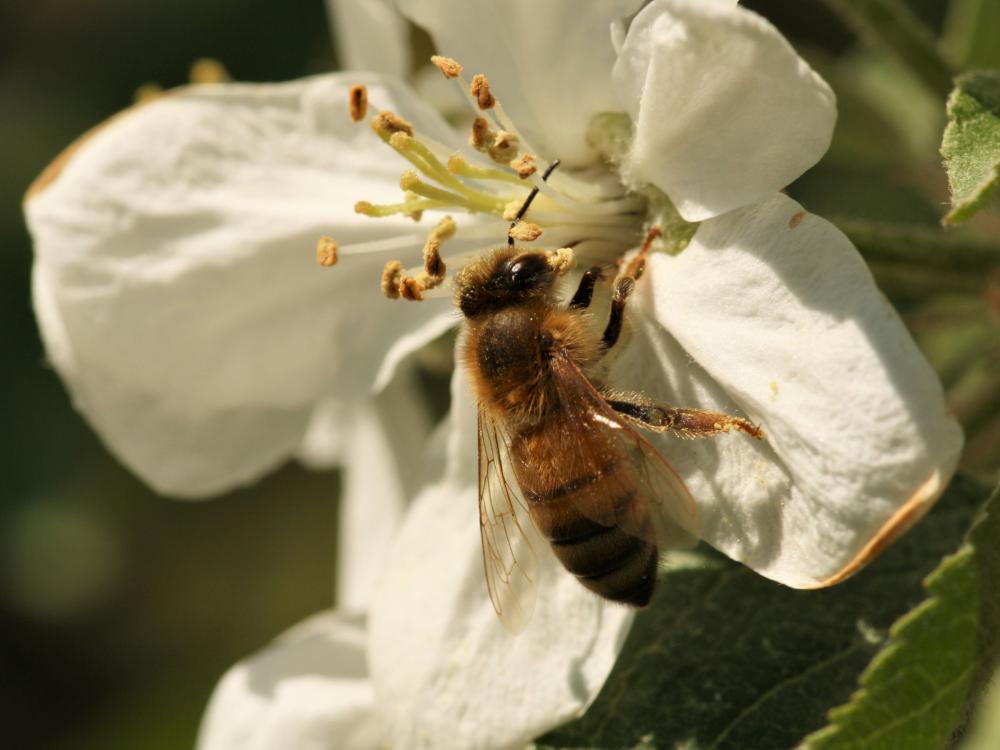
x=510 y=559
x=639 y=467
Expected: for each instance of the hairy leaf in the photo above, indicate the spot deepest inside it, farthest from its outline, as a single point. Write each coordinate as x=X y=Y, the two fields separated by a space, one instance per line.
x=728 y=660
x=971 y=145
x=919 y=690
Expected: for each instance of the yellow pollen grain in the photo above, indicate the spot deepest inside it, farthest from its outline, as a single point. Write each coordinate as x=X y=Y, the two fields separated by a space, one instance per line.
x=391 y=275
x=147 y=92
x=409 y=196
x=482 y=134
x=561 y=260
x=445 y=229
x=409 y=180
x=386 y=123
x=447 y=65
x=480 y=90
x=504 y=148
x=410 y=289
x=524 y=231
x=524 y=165
x=511 y=210
x=326 y=252
x=434 y=266
x=207 y=70
x=357 y=102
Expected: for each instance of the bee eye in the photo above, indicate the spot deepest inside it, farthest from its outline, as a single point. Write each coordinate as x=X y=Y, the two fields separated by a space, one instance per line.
x=517 y=270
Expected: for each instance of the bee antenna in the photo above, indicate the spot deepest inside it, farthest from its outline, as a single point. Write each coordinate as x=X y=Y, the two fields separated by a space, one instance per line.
x=527 y=202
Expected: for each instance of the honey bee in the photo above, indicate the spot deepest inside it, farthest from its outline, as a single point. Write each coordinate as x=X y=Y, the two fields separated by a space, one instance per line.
x=560 y=453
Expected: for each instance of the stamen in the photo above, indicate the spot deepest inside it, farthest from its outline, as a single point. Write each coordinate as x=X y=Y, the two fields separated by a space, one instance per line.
x=391 y=275
x=524 y=165
x=386 y=123
x=412 y=208
x=480 y=89
x=358 y=102
x=326 y=252
x=523 y=231
x=458 y=164
x=447 y=65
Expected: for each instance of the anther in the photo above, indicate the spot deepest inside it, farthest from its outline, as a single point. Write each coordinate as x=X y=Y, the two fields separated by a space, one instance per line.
x=386 y=123
x=410 y=197
x=410 y=289
x=524 y=165
x=358 y=102
x=523 y=231
x=561 y=260
x=451 y=68
x=392 y=273
x=482 y=134
x=480 y=90
x=207 y=70
x=326 y=252
x=504 y=148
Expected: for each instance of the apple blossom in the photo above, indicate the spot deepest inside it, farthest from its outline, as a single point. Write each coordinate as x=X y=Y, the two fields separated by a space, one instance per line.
x=179 y=301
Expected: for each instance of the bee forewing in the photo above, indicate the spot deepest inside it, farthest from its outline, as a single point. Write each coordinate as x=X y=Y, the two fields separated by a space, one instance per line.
x=510 y=544
x=604 y=437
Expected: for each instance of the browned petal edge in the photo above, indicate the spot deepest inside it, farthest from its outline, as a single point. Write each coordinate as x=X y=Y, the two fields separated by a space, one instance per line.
x=56 y=166
x=899 y=522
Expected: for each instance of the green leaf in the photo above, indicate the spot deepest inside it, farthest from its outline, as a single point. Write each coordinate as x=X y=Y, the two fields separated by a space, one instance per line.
x=971 y=145
x=920 y=688
x=727 y=660
x=972 y=33
x=985 y=733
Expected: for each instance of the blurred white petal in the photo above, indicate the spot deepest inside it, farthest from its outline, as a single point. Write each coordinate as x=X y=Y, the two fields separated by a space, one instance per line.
x=309 y=690
x=384 y=468
x=725 y=111
x=771 y=312
x=515 y=42
x=176 y=282
x=370 y=35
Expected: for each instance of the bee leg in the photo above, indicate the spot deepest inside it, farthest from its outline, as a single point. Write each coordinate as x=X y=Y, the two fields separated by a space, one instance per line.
x=585 y=292
x=686 y=423
x=623 y=288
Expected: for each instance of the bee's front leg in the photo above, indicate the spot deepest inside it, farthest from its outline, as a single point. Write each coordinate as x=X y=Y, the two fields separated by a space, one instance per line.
x=585 y=292
x=686 y=423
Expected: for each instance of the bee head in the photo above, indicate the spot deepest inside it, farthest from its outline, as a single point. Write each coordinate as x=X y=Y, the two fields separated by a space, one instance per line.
x=504 y=278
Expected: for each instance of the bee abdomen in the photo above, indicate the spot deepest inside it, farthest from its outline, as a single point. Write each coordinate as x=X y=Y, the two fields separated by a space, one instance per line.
x=608 y=561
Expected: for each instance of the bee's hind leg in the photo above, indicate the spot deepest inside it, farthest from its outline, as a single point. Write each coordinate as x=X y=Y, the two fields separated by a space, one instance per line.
x=686 y=423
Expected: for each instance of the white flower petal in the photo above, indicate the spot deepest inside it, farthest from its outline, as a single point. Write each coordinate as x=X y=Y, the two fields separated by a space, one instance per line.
x=784 y=324
x=514 y=43
x=371 y=35
x=383 y=470
x=309 y=690
x=176 y=283
x=725 y=111
x=444 y=668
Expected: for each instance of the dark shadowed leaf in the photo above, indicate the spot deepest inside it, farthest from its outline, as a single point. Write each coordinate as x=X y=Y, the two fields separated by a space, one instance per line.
x=728 y=660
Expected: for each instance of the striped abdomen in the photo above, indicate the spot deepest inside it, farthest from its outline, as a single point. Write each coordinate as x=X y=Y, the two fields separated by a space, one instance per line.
x=580 y=490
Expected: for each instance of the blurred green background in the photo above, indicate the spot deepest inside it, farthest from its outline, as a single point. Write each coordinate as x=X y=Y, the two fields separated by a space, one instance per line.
x=119 y=609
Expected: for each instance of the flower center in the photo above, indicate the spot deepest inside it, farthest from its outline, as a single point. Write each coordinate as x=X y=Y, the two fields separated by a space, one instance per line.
x=588 y=210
